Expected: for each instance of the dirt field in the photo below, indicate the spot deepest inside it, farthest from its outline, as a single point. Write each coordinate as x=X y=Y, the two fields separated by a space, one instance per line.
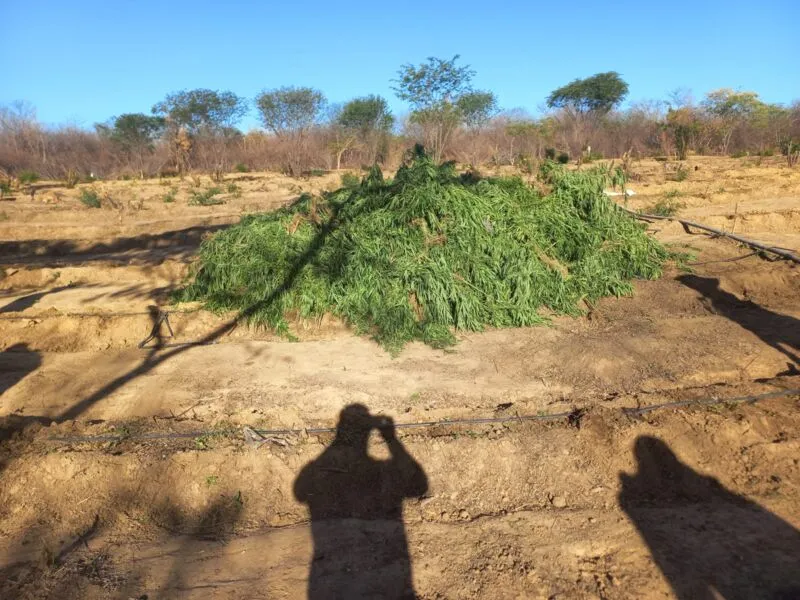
x=139 y=473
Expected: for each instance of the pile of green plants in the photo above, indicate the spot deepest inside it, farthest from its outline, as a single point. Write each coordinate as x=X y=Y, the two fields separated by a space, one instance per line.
x=429 y=252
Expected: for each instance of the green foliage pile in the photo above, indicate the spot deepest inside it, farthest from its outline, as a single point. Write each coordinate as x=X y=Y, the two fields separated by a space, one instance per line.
x=429 y=252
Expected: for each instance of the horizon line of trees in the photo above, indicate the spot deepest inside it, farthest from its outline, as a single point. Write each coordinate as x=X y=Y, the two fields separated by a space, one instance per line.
x=195 y=130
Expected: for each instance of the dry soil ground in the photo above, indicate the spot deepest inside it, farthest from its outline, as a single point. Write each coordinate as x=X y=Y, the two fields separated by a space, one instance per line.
x=175 y=495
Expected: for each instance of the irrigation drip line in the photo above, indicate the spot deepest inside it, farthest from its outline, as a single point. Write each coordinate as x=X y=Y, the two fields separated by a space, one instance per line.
x=572 y=415
x=726 y=260
x=711 y=401
x=782 y=252
x=105 y=315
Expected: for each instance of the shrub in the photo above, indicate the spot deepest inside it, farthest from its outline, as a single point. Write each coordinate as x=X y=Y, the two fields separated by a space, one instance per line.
x=5 y=188
x=27 y=177
x=680 y=174
x=592 y=156
x=350 y=180
x=170 y=196
x=563 y=158
x=550 y=153
x=428 y=252
x=739 y=154
x=664 y=208
x=207 y=197
x=241 y=168
x=90 y=198
x=234 y=190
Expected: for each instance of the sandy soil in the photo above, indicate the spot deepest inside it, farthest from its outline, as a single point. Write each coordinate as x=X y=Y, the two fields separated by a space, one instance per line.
x=213 y=471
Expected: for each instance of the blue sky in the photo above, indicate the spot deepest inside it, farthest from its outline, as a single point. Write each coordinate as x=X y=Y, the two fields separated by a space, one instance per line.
x=86 y=60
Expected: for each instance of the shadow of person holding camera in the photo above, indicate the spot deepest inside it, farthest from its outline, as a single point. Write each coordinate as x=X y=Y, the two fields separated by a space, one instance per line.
x=708 y=542
x=356 y=506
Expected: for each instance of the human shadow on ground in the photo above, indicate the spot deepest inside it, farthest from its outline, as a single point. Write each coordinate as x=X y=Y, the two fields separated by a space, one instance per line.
x=25 y=302
x=709 y=543
x=144 y=249
x=16 y=362
x=356 y=506
x=157 y=354
x=782 y=332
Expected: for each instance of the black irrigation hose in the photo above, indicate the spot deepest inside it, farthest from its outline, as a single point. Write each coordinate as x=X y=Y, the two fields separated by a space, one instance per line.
x=73 y=314
x=106 y=315
x=573 y=415
x=726 y=260
x=711 y=401
x=310 y=430
x=782 y=252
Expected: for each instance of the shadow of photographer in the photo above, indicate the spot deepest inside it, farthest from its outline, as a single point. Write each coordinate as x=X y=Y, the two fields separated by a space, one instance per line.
x=709 y=542
x=356 y=506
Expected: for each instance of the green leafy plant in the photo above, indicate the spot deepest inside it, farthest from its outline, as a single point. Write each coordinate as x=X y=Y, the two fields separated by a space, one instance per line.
x=672 y=194
x=206 y=197
x=241 y=168
x=427 y=253
x=681 y=174
x=170 y=196
x=664 y=208
x=234 y=190
x=350 y=180
x=589 y=157
x=90 y=198
x=27 y=177
x=562 y=158
x=5 y=188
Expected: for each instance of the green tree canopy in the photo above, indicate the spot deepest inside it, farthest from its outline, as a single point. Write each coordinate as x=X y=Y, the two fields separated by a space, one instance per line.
x=365 y=115
x=289 y=109
x=476 y=108
x=133 y=130
x=729 y=104
x=441 y=96
x=433 y=83
x=202 y=109
x=596 y=94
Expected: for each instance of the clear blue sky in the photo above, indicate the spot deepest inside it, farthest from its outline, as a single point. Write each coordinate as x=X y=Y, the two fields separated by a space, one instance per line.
x=85 y=60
